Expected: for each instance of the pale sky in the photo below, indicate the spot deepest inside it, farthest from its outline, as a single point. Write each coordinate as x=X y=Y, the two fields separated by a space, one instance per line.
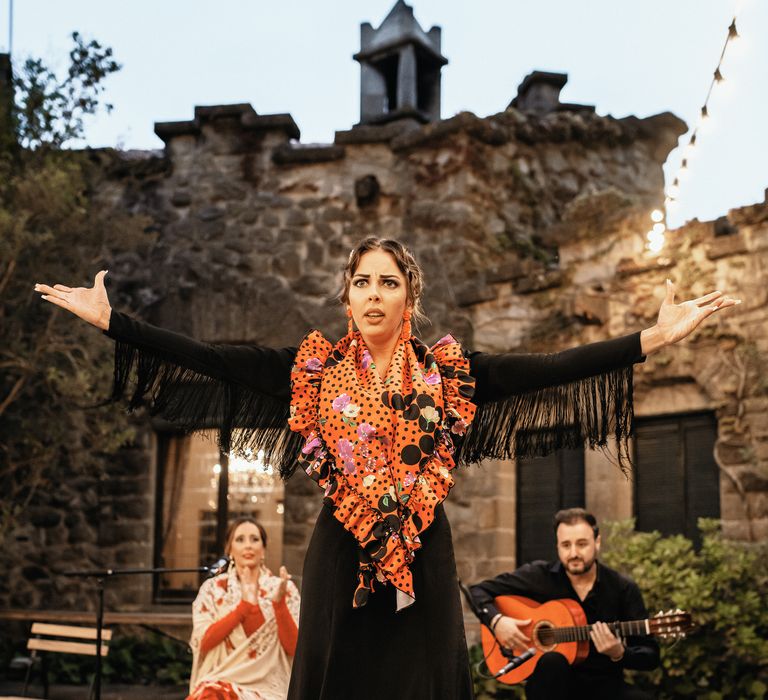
x=295 y=56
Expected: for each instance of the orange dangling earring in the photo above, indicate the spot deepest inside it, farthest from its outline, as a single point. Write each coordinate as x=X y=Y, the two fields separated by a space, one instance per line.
x=350 y=322
x=405 y=332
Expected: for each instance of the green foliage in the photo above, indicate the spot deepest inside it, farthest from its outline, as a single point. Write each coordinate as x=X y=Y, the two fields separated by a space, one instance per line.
x=53 y=368
x=724 y=585
x=49 y=109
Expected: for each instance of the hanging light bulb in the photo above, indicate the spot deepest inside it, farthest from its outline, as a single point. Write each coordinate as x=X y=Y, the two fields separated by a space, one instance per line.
x=732 y=33
x=674 y=189
x=659 y=228
x=657 y=215
x=656 y=245
x=689 y=147
x=704 y=113
x=718 y=75
x=655 y=241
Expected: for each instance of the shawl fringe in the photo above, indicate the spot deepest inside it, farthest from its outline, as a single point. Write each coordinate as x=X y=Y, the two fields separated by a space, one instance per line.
x=536 y=423
x=247 y=421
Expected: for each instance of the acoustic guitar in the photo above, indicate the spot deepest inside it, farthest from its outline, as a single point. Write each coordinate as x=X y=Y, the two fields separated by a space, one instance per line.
x=561 y=626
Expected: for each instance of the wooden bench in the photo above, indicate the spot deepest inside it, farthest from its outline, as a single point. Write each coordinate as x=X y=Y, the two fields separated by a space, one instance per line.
x=62 y=639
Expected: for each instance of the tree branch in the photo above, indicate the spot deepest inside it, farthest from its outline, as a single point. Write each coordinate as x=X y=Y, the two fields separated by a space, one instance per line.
x=13 y=393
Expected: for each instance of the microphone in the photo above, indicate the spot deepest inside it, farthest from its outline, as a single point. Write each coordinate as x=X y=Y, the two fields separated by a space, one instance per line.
x=218 y=567
x=516 y=661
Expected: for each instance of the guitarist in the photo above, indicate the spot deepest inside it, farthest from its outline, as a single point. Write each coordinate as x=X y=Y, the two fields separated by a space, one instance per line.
x=605 y=596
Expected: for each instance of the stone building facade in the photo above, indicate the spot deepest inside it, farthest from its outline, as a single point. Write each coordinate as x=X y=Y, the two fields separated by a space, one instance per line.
x=530 y=227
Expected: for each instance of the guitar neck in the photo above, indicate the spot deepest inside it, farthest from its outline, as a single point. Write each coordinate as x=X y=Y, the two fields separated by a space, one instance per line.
x=581 y=633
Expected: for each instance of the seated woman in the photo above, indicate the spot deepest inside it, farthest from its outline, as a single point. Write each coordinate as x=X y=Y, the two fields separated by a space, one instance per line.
x=244 y=634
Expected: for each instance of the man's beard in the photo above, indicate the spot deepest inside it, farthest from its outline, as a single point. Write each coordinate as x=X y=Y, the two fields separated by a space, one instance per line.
x=582 y=567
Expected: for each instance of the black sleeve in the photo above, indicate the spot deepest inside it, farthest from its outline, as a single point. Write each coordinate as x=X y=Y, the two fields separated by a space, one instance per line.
x=265 y=370
x=529 y=580
x=501 y=376
x=642 y=653
x=532 y=404
x=243 y=391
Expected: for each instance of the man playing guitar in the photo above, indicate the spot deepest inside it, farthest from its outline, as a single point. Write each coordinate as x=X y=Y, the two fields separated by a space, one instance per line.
x=605 y=596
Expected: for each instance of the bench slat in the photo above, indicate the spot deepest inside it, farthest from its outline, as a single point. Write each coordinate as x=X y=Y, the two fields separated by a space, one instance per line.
x=69 y=631
x=65 y=647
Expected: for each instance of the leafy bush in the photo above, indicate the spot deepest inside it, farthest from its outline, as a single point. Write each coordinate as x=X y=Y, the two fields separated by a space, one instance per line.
x=724 y=585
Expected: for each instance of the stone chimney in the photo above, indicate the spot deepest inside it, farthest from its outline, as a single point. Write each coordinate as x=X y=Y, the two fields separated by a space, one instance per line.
x=400 y=67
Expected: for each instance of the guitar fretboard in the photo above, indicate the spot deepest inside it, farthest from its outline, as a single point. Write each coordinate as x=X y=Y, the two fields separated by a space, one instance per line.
x=556 y=635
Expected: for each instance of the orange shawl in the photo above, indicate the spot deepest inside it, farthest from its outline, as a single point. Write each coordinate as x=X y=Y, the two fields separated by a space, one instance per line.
x=382 y=450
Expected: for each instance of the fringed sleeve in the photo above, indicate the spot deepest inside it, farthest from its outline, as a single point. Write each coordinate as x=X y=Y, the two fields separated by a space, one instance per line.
x=241 y=390
x=532 y=404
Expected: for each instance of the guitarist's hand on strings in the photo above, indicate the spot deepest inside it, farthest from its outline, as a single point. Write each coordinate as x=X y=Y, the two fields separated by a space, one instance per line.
x=606 y=642
x=509 y=633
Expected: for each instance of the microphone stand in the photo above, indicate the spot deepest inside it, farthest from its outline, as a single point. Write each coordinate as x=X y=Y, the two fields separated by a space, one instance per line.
x=101 y=575
x=514 y=661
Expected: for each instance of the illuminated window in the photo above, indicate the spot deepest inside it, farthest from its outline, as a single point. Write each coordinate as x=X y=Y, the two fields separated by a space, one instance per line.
x=200 y=490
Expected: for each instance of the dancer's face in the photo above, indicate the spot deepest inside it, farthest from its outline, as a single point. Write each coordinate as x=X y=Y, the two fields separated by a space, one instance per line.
x=577 y=547
x=378 y=295
x=247 y=547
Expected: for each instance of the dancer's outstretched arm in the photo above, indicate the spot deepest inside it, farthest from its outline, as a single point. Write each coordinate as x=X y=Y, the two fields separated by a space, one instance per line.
x=503 y=375
x=262 y=369
x=243 y=390
x=531 y=404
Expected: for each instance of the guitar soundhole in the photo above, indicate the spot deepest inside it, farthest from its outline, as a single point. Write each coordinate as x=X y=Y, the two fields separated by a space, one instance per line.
x=544 y=635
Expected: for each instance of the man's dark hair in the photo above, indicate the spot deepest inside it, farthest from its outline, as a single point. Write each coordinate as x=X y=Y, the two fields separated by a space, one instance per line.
x=571 y=516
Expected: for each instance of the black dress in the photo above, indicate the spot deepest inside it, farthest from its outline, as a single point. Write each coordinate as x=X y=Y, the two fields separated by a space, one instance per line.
x=526 y=405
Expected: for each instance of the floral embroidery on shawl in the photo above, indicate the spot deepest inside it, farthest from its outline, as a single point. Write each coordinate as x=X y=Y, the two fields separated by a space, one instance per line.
x=381 y=450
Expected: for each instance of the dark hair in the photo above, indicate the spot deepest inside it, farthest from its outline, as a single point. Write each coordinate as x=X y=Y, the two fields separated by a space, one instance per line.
x=571 y=516
x=237 y=523
x=406 y=263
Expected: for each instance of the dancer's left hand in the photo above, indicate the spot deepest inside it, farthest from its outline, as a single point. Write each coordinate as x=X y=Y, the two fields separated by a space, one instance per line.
x=677 y=321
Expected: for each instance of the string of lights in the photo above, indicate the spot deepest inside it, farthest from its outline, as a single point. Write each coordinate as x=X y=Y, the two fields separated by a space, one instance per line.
x=656 y=236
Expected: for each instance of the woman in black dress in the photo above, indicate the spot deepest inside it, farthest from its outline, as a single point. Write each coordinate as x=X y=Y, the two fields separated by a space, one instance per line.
x=379 y=420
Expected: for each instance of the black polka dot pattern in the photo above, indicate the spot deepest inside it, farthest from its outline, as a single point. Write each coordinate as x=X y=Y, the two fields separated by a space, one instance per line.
x=381 y=449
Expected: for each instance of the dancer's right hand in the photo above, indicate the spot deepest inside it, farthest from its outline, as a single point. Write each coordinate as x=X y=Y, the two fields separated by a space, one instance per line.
x=510 y=634
x=89 y=303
